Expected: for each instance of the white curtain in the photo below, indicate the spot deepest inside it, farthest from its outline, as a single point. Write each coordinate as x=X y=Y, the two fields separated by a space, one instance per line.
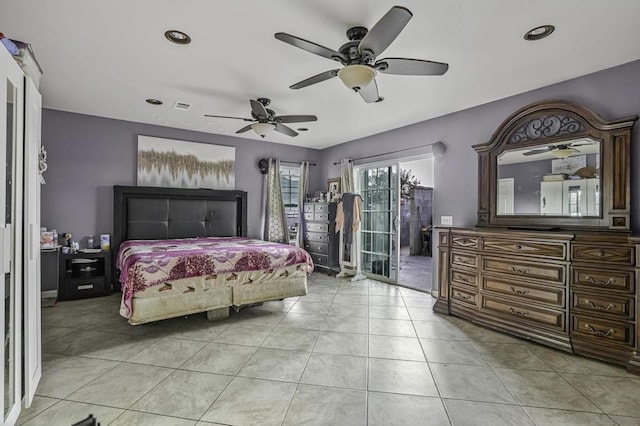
x=275 y=224
x=346 y=174
x=303 y=187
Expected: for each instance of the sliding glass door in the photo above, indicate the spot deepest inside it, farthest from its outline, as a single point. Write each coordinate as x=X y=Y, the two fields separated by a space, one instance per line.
x=380 y=243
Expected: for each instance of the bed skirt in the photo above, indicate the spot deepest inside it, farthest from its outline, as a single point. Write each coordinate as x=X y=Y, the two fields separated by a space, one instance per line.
x=147 y=308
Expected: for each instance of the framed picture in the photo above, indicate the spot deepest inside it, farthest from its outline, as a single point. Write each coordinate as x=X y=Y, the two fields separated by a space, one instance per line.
x=333 y=186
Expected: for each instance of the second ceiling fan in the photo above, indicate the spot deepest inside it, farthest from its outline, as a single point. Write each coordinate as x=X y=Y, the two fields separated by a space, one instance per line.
x=359 y=56
x=265 y=119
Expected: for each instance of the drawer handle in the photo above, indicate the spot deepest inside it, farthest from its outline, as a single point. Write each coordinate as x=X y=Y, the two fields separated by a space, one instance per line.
x=520 y=270
x=520 y=292
x=463 y=279
x=464 y=296
x=601 y=253
x=600 y=307
x=600 y=333
x=518 y=313
x=596 y=282
x=465 y=261
x=518 y=247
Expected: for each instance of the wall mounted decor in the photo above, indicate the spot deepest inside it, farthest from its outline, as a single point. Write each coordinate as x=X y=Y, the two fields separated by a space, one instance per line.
x=181 y=164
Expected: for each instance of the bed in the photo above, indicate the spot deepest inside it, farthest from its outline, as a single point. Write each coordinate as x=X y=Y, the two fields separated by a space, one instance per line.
x=183 y=251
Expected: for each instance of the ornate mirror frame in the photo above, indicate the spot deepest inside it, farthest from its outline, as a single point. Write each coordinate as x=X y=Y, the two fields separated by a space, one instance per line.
x=554 y=121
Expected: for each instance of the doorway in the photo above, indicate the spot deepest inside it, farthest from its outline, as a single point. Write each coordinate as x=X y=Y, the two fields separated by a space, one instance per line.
x=396 y=221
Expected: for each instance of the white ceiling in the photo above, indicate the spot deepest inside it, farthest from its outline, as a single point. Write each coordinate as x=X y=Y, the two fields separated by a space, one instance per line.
x=105 y=58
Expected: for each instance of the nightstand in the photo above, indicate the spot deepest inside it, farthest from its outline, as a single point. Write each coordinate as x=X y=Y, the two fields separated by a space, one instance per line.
x=84 y=275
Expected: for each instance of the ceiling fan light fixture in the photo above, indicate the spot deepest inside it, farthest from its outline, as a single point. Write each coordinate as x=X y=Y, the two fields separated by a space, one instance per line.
x=563 y=152
x=357 y=76
x=263 y=129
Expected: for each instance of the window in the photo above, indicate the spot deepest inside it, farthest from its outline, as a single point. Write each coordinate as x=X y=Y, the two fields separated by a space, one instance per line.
x=290 y=181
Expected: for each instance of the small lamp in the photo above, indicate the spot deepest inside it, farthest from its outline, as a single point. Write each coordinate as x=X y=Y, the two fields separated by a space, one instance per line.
x=357 y=76
x=262 y=129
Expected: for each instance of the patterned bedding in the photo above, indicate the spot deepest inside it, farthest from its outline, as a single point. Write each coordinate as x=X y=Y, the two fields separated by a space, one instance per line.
x=144 y=264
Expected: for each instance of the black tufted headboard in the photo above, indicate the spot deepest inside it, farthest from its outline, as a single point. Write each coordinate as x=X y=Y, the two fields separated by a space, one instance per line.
x=152 y=213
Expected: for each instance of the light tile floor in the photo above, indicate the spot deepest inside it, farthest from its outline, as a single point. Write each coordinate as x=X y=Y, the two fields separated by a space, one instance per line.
x=361 y=353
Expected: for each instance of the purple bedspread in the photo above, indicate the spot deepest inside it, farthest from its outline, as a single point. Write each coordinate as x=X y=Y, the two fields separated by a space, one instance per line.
x=148 y=263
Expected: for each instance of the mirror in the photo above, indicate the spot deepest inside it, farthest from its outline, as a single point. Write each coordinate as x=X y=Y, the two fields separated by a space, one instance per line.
x=556 y=179
x=556 y=165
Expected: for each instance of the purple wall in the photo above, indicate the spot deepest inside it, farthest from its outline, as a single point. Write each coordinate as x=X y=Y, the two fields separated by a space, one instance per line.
x=612 y=94
x=87 y=155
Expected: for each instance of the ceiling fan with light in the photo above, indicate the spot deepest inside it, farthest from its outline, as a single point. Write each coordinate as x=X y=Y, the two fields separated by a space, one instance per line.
x=562 y=150
x=359 y=54
x=265 y=119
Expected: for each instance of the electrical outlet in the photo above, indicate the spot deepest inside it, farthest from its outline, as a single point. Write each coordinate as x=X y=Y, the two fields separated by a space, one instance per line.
x=446 y=220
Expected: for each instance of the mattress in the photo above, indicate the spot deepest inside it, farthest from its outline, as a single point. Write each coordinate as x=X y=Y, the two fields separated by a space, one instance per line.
x=188 y=268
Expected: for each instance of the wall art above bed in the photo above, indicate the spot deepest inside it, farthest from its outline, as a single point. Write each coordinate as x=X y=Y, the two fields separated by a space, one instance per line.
x=180 y=164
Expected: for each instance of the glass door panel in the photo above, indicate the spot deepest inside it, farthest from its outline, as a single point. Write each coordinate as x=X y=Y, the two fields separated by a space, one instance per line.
x=379 y=188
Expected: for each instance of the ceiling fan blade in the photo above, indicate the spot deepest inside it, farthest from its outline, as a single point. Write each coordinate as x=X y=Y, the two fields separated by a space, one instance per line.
x=294 y=118
x=258 y=109
x=407 y=66
x=312 y=47
x=538 y=151
x=285 y=130
x=385 y=30
x=245 y=129
x=226 y=116
x=370 y=93
x=315 y=79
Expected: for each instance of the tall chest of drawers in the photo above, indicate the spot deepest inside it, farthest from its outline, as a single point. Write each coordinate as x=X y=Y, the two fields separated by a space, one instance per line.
x=320 y=239
x=573 y=291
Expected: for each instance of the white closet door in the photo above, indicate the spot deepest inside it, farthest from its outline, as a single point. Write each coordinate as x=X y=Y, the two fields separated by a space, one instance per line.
x=32 y=329
x=11 y=138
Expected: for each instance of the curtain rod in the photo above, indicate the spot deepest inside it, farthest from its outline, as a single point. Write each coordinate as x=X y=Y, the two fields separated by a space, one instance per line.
x=296 y=162
x=335 y=163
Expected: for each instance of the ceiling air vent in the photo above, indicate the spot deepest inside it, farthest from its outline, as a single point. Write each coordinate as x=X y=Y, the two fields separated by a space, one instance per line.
x=182 y=106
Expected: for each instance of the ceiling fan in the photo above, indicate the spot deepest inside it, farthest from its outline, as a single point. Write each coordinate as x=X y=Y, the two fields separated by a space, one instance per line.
x=265 y=119
x=562 y=150
x=359 y=54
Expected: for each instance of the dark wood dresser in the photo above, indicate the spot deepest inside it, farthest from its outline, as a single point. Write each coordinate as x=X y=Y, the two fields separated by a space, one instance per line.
x=320 y=238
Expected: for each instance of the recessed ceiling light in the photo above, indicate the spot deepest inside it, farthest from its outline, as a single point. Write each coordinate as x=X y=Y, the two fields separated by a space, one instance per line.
x=153 y=101
x=302 y=129
x=539 y=33
x=177 y=37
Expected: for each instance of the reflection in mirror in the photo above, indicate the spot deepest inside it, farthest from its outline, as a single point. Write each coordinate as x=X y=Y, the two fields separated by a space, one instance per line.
x=556 y=179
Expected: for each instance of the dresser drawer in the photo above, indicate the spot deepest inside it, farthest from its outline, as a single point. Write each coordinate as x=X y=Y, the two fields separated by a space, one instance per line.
x=464 y=295
x=545 y=249
x=602 y=278
x=320 y=259
x=549 y=272
x=619 y=332
x=596 y=304
x=465 y=241
x=464 y=278
x=321 y=216
x=308 y=208
x=316 y=227
x=618 y=255
x=309 y=216
x=316 y=236
x=320 y=248
x=526 y=292
x=322 y=208
x=464 y=259
x=524 y=313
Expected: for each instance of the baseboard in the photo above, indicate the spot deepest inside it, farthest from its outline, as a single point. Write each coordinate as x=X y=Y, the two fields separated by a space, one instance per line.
x=49 y=294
